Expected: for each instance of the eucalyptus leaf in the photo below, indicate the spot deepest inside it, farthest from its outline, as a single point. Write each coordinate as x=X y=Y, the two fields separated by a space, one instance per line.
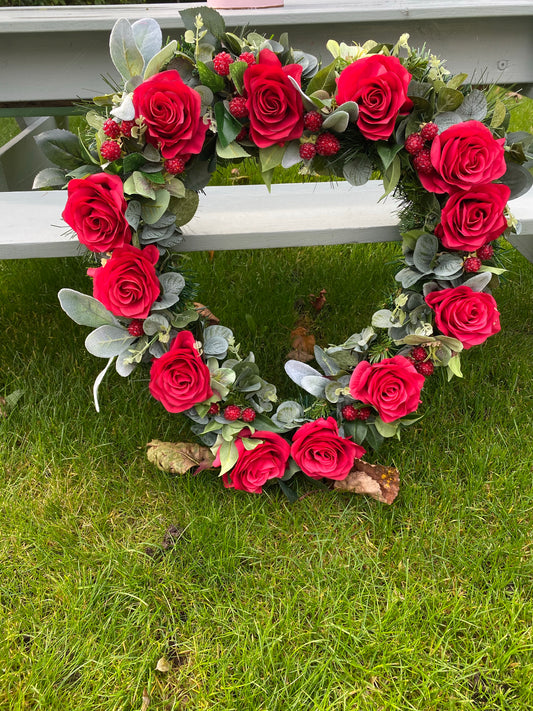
x=382 y=319
x=424 y=253
x=108 y=341
x=479 y=281
x=153 y=210
x=358 y=170
x=172 y=284
x=292 y=155
x=315 y=385
x=148 y=37
x=231 y=152
x=184 y=208
x=297 y=371
x=448 y=266
x=447 y=119
x=408 y=277
x=123 y=49
x=133 y=214
x=518 y=178
x=155 y=323
x=85 y=310
x=337 y=121
x=328 y=364
x=385 y=429
x=123 y=366
x=474 y=106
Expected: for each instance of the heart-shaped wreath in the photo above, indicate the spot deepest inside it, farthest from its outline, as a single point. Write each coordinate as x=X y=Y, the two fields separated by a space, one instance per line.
x=439 y=144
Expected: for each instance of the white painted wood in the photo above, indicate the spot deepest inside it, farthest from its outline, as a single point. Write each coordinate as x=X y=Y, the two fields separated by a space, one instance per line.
x=239 y=217
x=59 y=53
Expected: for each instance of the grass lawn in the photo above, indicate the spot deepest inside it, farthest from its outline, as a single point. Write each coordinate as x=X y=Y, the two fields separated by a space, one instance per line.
x=332 y=603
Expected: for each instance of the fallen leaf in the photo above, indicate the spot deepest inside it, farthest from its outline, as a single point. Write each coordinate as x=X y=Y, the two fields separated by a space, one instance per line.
x=146 y=701
x=179 y=457
x=211 y=254
x=303 y=345
x=318 y=302
x=379 y=482
x=204 y=312
x=8 y=403
x=163 y=665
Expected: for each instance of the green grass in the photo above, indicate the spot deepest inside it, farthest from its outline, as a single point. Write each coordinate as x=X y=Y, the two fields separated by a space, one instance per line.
x=333 y=603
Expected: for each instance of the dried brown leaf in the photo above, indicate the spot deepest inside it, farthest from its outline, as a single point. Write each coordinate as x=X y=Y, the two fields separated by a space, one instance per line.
x=380 y=482
x=163 y=665
x=318 y=302
x=179 y=457
x=146 y=701
x=300 y=355
x=303 y=345
x=204 y=312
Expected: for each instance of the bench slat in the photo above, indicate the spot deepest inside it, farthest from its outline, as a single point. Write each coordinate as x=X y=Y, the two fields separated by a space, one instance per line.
x=239 y=217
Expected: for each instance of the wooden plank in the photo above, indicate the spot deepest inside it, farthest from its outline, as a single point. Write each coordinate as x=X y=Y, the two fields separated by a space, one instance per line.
x=59 y=53
x=20 y=159
x=239 y=217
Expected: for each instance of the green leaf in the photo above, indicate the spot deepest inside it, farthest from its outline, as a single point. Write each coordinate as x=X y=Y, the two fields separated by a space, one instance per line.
x=184 y=208
x=85 y=310
x=231 y=152
x=61 y=147
x=209 y=78
x=154 y=209
x=228 y=128
x=454 y=367
x=133 y=161
x=391 y=177
x=234 y=43
x=156 y=178
x=373 y=437
x=161 y=59
x=213 y=21
x=236 y=72
x=176 y=188
x=229 y=454
x=425 y=251
x=324 y=80
x=474 y=106
x=358 y=170
x=125 y=54
x=291 y=495
x=108 y=341
x=49 y=178
x=449 y=99
x=387 y=153
x=457 y=81
x=148 y=37
x=271 y=157
x=498 y=115
x=386 y=429
x=137 y=184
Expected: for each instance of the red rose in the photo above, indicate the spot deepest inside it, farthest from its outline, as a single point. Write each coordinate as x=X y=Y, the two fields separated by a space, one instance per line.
x=179 y=378
x=471 y=219
x=172 y=114
x=127 y=284
x=470 y=316
x=464 y=156
x=255 y=467
x=319 y=451
x=392 y=386
x=379 y=85
x=96 y=210
x=274 y=104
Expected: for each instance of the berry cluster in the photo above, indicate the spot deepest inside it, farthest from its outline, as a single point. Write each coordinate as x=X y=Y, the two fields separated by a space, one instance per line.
x=416 y=145
x=326 y=144
x=351 y=413
x=233 y=412
x=419 y=358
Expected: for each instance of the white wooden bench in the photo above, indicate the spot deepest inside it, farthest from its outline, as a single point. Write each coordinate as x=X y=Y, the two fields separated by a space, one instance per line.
x=239 y=217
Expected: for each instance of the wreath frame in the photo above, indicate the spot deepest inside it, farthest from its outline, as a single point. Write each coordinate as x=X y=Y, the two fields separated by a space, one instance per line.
x=441 y=145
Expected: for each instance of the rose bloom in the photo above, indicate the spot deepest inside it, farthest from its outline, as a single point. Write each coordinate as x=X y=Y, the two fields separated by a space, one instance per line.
x=127 y=284
x=179 y=378
x=274 y=104
x=392 y=386
x=464 y=156
x=471 y=218
x=255 y=467
x=319 y=450
x=172 y=114
x=96 y=210
x=379 y=85
x=470 y=316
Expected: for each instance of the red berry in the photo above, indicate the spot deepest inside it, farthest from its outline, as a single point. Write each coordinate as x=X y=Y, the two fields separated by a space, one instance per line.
x=418 y=353
x=214 y=409
x=247 y=57
x=414 y=144
x=243 y=134
x=349 y=413
x=221 y=63
x=472 y=264
x=248 y=414
x=307 y=151
x=136 y=328
x=126 y=127
x=425 y=367
x=111 y=128
x=238 y=107
x=327 y=144
x=486 y=252
x=110 y=150
x=429 y=131
x=232 y=412
x=422 y=162
x=364 y=413
x=313 y=121
x=175 y=166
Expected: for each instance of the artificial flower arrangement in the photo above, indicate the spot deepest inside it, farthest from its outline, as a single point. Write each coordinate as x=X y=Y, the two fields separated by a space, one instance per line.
x=440 y=145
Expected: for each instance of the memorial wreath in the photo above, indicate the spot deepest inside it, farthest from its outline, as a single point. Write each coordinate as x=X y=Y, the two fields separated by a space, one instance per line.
x=440 y=146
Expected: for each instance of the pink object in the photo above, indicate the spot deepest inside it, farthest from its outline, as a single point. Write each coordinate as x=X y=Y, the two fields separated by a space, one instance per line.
x=243 y=4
